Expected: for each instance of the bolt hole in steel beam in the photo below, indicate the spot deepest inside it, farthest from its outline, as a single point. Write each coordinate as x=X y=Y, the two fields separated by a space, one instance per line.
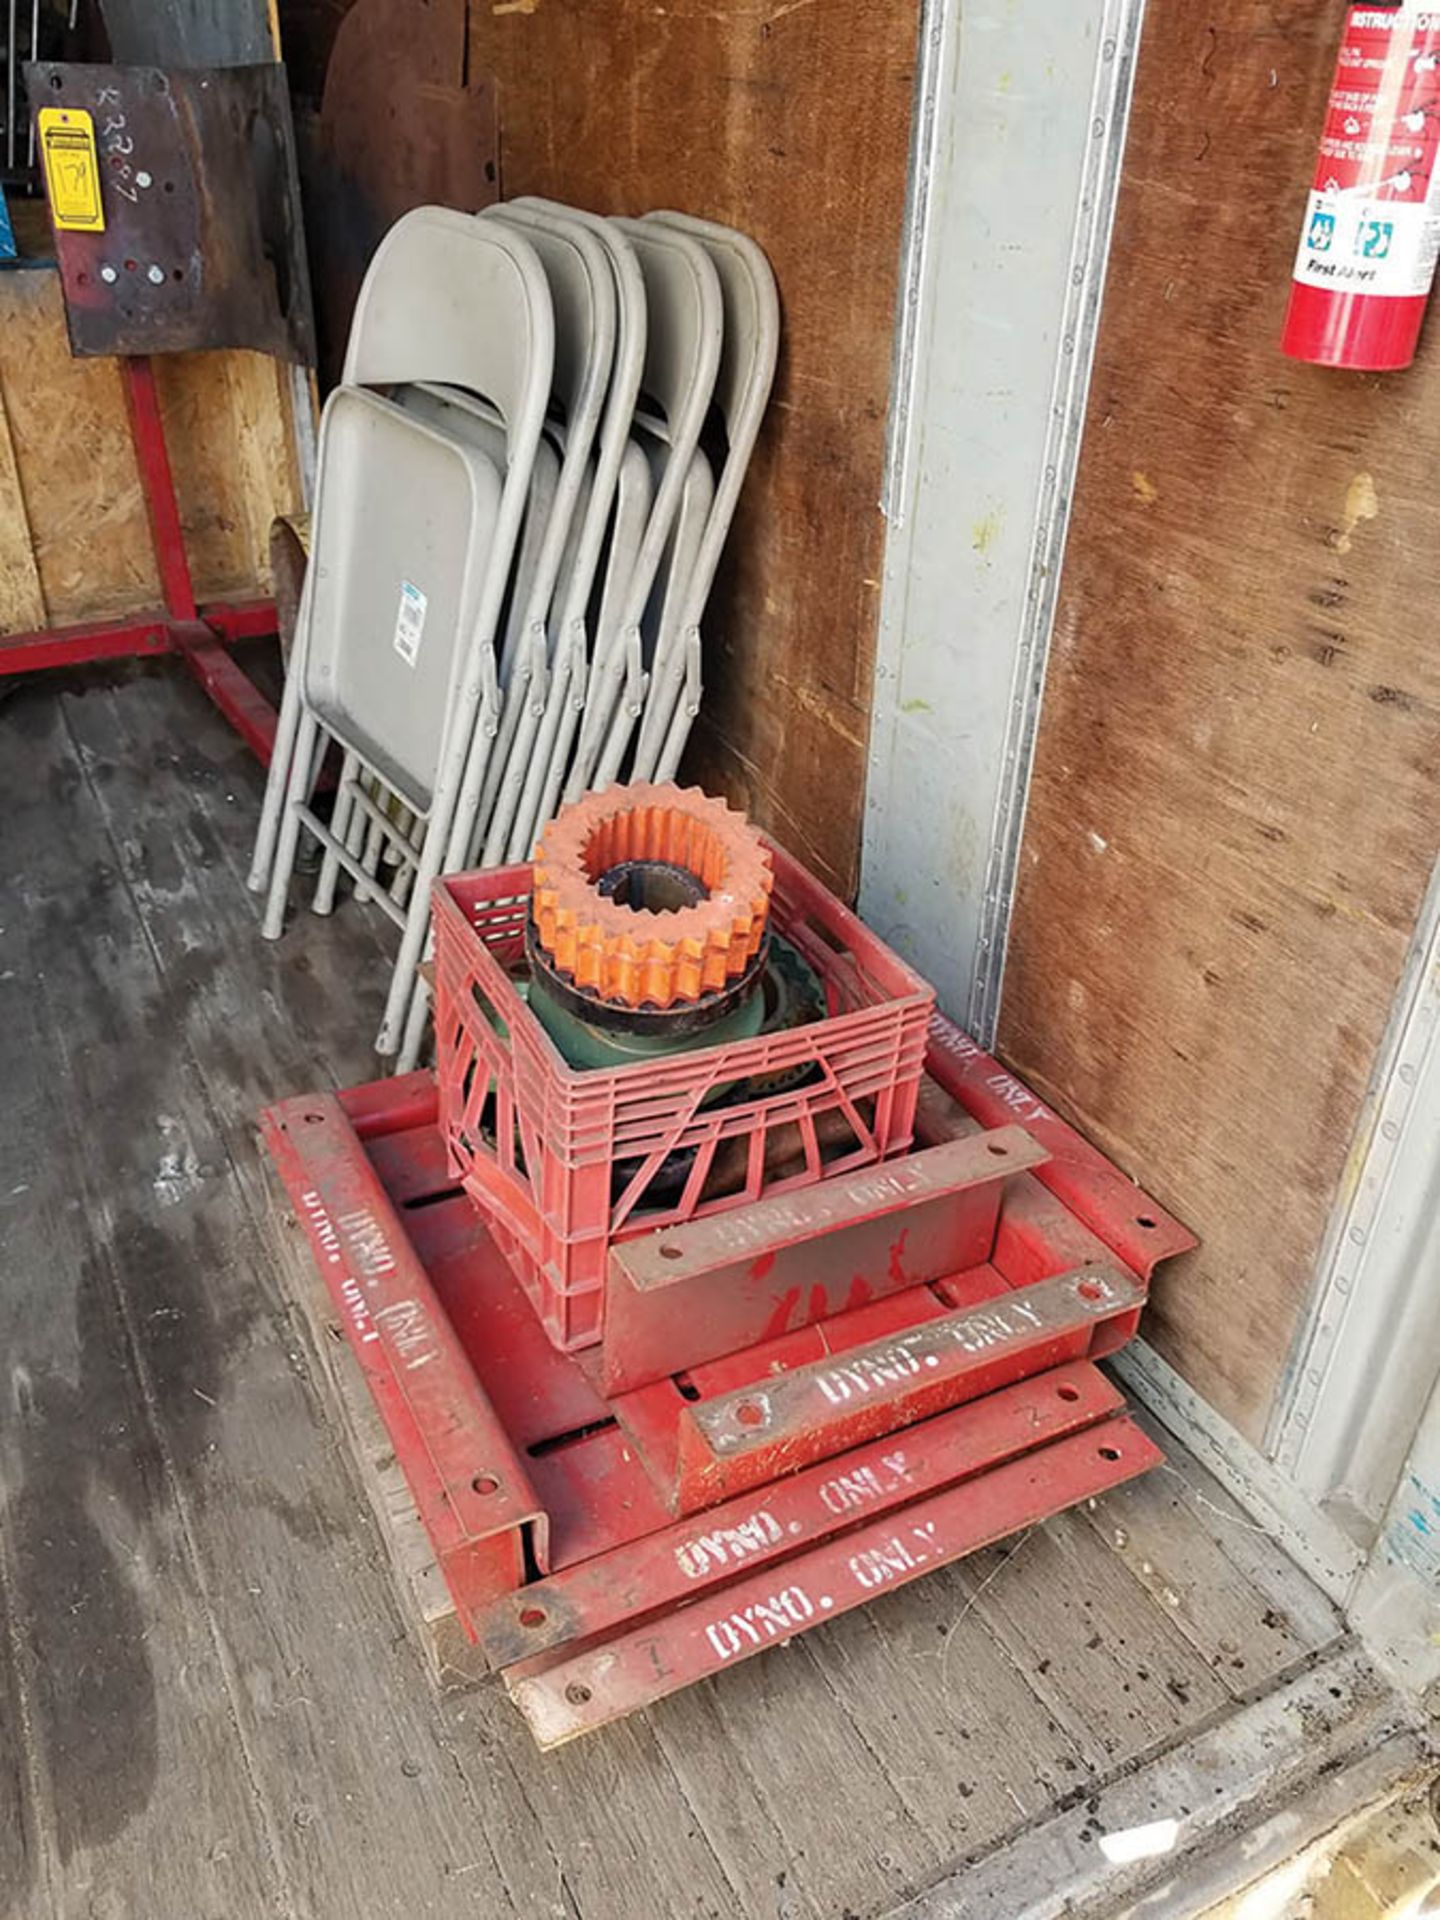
x=533 y=1616
x=485 y=1483
x=1067 y=1392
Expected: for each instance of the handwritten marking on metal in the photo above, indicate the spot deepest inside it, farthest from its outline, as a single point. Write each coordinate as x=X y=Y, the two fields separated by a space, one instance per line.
x=358 y=1240
x=787 y=1612
x=877 y=1370
x=118 y=145
x=702 y=1554
x=741 y=1231
x=1021 y=1101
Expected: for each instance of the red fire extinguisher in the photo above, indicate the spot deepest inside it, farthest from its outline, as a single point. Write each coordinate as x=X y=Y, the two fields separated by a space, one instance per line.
x=1372 y=226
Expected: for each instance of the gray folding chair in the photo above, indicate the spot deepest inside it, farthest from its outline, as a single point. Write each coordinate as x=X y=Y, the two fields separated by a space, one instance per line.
x=747 y=371
x=453 y=300
x=682 y=357
x=582 y=291
x=618 y=504
x=460 y=416
x=634 y=496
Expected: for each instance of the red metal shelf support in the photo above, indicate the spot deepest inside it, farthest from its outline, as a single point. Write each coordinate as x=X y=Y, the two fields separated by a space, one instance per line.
x=199 y=634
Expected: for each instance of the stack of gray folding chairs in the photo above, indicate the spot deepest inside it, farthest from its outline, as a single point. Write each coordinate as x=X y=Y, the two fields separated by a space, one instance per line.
x=524 y=485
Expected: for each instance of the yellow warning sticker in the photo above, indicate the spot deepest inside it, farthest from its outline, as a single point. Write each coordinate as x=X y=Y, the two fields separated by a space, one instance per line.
x=72 y=172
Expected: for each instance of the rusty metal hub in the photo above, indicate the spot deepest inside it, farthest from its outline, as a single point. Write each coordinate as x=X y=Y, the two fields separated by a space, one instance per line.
x=651 y=896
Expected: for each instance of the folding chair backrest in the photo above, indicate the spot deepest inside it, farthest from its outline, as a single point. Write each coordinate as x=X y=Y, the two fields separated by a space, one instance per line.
x=582 y=293
x=634 y=497
x=404 y=529
x=451 y=410
x=453 y=300
x=747 y=370
x=668 y=596
x=682 y=358
x=630 y=343
x=465 y=302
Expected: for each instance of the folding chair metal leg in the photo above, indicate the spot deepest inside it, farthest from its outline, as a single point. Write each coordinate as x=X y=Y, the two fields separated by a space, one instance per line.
x=345 y=812
x=518 y=759
x=515 y=700
x=683 y=718
x=308 y=740
x=542 y=753
x=416 y=1022
x=367 y=842
x=622 y=724
x=560 y=760
x=412 y=944
x=277 y=779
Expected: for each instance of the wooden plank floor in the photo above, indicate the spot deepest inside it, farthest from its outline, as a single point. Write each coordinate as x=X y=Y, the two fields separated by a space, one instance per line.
x=208 y=1702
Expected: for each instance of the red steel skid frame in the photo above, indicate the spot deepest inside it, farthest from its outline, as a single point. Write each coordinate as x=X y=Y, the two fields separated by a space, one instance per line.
x=606 y=1551
x=199 y=635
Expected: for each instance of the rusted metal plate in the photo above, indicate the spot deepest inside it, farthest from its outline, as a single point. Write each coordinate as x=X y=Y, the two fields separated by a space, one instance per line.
x=203 y=245
x=687 y=1560
x=562 y=1695
x=691 y=1293
x=743 y=1438
x=470 y=1486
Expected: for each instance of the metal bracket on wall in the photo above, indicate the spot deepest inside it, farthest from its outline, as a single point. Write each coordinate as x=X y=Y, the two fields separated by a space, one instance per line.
x=1020 y=124
x=1371 y=1311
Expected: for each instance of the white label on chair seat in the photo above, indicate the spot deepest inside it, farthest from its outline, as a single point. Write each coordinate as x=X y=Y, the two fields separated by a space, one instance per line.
x=409 y=622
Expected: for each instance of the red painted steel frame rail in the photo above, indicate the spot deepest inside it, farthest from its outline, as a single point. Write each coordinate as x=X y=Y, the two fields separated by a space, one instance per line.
x=199 y=634
x=569 y=1693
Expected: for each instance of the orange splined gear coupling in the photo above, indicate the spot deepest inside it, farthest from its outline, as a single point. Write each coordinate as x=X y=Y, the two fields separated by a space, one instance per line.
x=643 y=955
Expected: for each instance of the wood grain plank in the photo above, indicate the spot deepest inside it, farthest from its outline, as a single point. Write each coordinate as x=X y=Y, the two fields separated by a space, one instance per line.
x=22 y=599
x=76 y=464
x=1117 y=1676
x=1241 y=1626
x=964 y=1739
x=812 y=1781
x=716 y=1776
x=327 y=976
x=370 y=1812
x=850 y=1842
x=124 y=1700
x=1231 y=822
x=1306 y=1612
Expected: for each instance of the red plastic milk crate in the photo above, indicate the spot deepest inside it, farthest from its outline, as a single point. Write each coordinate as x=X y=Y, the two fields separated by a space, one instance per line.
x=537 y=1144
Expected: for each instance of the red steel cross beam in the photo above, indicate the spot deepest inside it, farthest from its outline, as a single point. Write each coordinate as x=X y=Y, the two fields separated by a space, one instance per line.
x=199 y=634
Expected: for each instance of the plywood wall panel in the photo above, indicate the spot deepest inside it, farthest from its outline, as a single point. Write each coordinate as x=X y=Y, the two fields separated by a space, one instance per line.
x=76 y=466
x=793 y=122
x=1236 y=803
x=227 y=428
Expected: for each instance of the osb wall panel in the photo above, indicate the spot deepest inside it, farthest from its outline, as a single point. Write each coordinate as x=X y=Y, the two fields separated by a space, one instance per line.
x=791 y=121
x=70 y=494
x=1234 y=811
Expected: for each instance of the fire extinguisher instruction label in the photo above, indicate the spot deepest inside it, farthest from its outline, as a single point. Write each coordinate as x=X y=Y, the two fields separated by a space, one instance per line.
x=1372 y=224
